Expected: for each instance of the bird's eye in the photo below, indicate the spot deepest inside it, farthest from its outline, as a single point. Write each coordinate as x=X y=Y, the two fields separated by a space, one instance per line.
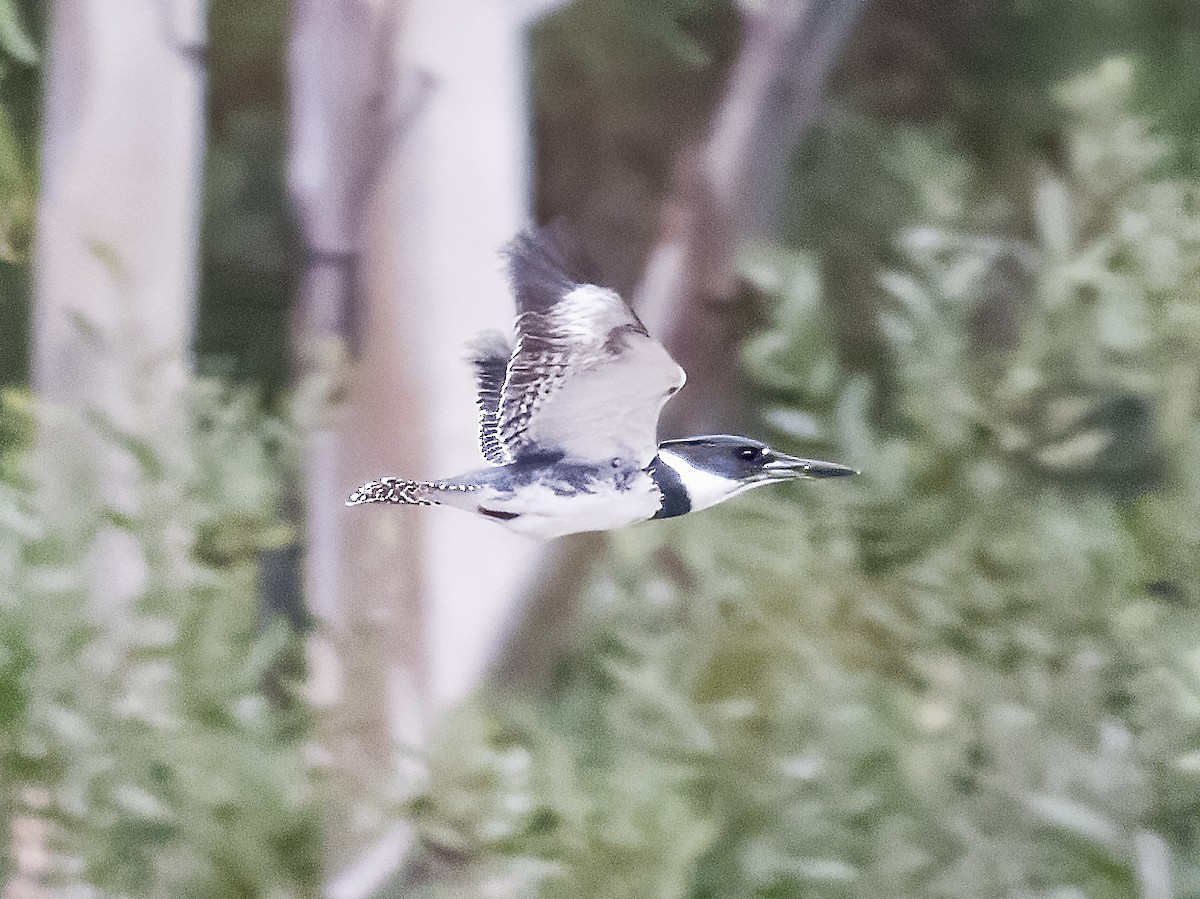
x=749 y=453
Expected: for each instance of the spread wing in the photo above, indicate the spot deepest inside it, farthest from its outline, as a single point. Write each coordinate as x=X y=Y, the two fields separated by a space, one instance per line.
x=489 y=354
x=585 y=379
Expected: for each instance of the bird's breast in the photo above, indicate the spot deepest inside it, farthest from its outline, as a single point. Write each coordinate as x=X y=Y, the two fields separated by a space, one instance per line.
x=555 y=507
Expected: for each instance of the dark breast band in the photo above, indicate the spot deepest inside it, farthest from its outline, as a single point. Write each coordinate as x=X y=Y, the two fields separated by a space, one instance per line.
x=675 y=499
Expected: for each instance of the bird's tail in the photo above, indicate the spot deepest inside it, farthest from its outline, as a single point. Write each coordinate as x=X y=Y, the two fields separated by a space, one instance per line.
x=394 y=490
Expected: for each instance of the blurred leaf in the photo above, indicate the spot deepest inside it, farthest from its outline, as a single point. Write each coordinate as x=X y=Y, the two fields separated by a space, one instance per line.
x=151 y=724
x=968 y=672
x=14 y=40
x=16 y=194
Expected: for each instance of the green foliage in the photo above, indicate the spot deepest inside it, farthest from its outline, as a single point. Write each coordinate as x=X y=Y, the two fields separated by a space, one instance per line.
x=141 y=732
x=970 y=672
x=20 y=90
x=621 y=88
x=14 y=40
x=629 y=40
x=249 y=263
x=17 y=49
x=16 y=192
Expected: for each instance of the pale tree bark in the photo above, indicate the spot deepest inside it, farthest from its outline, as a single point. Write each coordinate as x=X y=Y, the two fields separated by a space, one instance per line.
x=115 y=265
x=116 y=244
x=729 y=191
x=362 y=575
x=409 y=168
x=460 y=191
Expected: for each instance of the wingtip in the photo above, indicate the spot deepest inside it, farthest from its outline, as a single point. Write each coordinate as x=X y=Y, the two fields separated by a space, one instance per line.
x=546 y=262
x=487 y=345
x=544 y=246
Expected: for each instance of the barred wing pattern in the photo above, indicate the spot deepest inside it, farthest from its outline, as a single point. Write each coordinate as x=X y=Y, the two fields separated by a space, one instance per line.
x=489 y=354
x=585 y=380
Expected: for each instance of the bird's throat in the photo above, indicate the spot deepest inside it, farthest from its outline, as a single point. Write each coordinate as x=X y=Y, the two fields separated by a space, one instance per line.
x=703 y=488
x=675 y=499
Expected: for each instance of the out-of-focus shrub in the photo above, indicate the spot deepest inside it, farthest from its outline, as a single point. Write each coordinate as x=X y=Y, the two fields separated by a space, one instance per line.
x=970 y=672
x=153 y=747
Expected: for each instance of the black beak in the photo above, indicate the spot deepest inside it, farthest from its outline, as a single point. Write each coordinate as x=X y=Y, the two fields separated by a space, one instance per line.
x=783 y=468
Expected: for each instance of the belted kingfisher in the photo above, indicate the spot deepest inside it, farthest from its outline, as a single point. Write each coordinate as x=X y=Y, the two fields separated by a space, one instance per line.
x=569 y=418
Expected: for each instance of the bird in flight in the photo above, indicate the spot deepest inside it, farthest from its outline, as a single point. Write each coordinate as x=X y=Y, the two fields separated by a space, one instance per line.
x=569 y=418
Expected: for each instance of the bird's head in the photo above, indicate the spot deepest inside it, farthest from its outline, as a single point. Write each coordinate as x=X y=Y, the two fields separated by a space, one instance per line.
x=715 y=467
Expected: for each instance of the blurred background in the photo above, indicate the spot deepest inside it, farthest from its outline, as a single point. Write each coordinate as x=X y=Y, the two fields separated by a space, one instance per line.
x=953 y=244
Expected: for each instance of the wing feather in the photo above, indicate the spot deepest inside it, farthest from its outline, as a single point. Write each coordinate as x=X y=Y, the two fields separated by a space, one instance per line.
x=489 y=354
x=544 y=265
x=585 y=378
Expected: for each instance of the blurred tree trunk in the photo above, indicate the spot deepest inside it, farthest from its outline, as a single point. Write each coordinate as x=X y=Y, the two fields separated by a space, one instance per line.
x=409 y=168
x=361 y=652
x=360 y=581
x=114 y=266
x=459 y=189
x=116 y=253
x=729 y=190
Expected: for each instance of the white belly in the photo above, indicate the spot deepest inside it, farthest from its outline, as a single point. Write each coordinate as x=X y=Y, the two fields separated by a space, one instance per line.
x=544 y=514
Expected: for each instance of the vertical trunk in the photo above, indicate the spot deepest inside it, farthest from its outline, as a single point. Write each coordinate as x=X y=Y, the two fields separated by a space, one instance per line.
x=728 y=192
x=459 y=192
x=115 y=267
x=116 y=250
x=409 y=167
x=360 y=583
